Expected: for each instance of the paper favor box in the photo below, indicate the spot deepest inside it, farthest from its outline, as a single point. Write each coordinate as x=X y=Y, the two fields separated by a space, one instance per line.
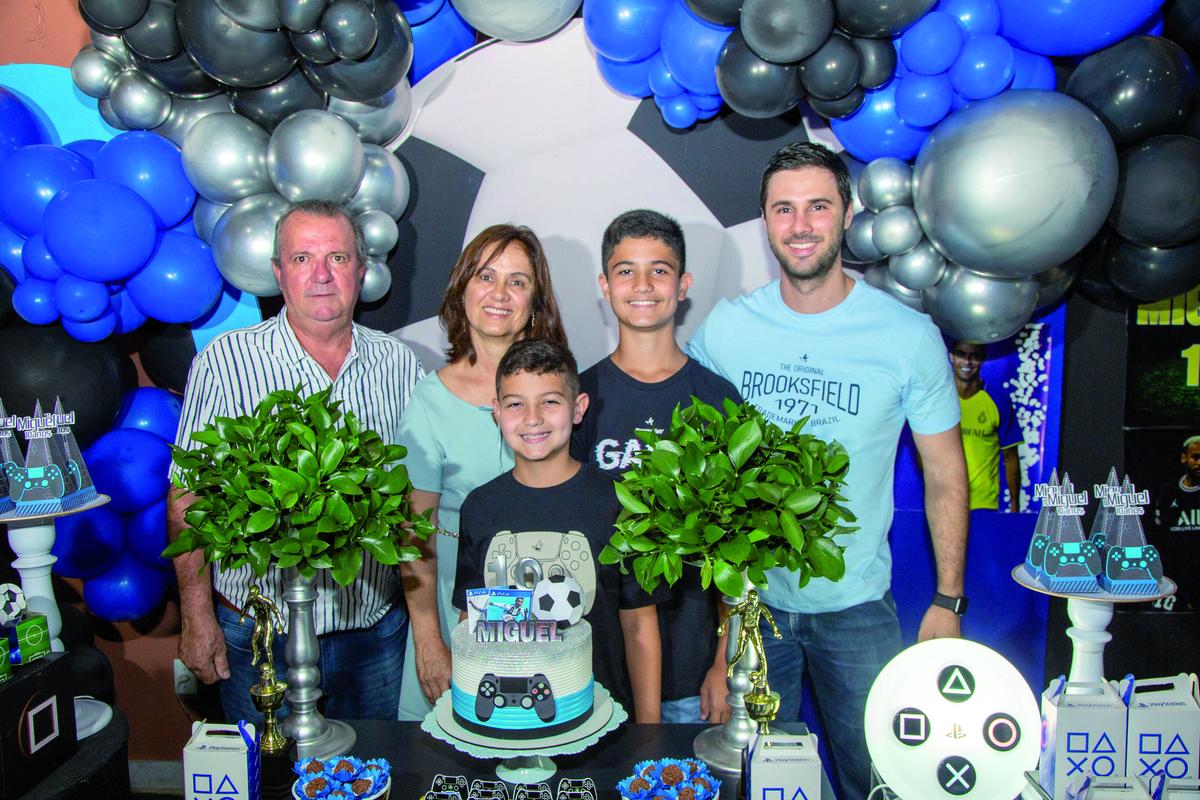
x=1164 y=728
x=218 y=763
x=783 y=765
x=1084 y=726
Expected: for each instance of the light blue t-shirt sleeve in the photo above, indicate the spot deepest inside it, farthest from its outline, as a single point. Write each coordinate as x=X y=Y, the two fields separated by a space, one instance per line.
x=930 y=399
x=426 y=458
x=696 y=347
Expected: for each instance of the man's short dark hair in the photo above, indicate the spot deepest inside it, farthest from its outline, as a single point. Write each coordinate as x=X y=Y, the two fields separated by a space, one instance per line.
x=329 y=210
x=799 y=155
x=642 y=223
x=540 y=357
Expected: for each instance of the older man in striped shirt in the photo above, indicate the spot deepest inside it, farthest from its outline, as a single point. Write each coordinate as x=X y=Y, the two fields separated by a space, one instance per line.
x=313 y=342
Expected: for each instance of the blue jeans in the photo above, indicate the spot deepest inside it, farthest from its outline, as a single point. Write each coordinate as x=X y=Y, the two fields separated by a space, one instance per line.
x=843 y=652
x=685 y=710
x=360 y=670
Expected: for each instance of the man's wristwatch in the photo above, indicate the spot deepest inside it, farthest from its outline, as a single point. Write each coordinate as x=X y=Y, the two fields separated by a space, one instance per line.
x=956 y=604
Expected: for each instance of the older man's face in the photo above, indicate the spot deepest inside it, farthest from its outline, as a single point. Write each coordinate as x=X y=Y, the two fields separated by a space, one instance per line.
x=318 y=271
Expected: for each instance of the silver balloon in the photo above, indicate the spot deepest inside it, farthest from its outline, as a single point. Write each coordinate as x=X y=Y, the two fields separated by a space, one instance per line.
x=855 y=168
x=880 y=277
x=315 y=154
x=185 y=113
x=379 y=232
x=919 y=268
x=385 y=184
x=104 y=106
x=896 y=230
x=976 y=308
x=886 y=182
x=93 y=70
x=205 y=216
x=376 y=121
x=1015 y=184
x=113 y=46
x=860 y=240
x=517 y=20
x=376 y=282
x=225 y=158
x=1054 y=282
x=300 y=16
x=243 y=241
x=139 y=103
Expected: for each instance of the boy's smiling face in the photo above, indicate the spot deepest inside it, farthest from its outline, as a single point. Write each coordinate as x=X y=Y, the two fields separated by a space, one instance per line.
x=536 y=414
x=643 y=284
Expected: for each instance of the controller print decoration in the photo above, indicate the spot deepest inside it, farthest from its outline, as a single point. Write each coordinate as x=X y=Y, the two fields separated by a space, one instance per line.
x=50 y=477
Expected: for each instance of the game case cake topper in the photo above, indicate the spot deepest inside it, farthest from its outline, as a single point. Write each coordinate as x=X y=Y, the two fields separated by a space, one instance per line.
x=51 y=476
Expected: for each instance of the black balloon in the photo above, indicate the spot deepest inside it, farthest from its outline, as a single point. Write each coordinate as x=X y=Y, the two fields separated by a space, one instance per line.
x=179 y=75
x=878 y=59
x=376 y=74
x=259 y=15
x=350 y=28
x=1191 y=125
x=76 y=627
x=313 y=47
x=1158 y=192
x=112 y=14
x=719 y=12
x=41 y=363
x=1054 y=282
x=840 y=108
x=879 y=18
x=7 y=284
x=1093 y=281
x=154 y=36
x=300 y=16
x=786 y=31
x=270 y=105
x=166 y=353
x=1149 y=274
x=92 y=23
x=230 y=52
x=1140 y=87
x=832 y=71
x=753 y=87
x=1183 y=25
x=89 y=672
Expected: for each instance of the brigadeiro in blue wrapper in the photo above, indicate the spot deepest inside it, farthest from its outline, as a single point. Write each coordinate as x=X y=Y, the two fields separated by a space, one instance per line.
x=672 y=772
x=637 y=787
x=379 y=767
x=315 y=786
x=308 y=766
x=343 y=768
x=706 y=786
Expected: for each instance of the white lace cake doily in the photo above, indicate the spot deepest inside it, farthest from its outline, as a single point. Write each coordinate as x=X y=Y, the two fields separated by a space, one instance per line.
x=607 y=715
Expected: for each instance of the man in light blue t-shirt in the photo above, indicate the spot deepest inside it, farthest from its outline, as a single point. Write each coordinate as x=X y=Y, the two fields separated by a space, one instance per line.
x=817 y=343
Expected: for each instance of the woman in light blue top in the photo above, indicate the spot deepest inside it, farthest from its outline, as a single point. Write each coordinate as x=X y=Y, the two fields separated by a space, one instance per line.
x=499 y=292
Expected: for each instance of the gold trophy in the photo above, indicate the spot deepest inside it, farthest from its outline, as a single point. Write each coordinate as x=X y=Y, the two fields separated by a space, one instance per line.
x=762 y=704
x=268 y=693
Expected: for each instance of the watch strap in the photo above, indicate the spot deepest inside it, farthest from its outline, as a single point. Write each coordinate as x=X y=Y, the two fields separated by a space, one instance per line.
x=956 y=604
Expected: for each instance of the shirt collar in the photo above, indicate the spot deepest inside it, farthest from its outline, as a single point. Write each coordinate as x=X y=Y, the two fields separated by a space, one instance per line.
x=288 y=348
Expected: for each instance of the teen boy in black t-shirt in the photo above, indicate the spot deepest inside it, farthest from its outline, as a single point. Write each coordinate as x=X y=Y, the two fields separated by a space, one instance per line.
x=538 y=401
x=637 y=387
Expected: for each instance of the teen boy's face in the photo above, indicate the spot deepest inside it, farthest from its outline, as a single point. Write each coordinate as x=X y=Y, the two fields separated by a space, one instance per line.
x=536 y=414
x=643 y=284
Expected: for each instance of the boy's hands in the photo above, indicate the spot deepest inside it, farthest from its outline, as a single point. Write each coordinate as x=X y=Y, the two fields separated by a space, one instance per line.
x=714 y=693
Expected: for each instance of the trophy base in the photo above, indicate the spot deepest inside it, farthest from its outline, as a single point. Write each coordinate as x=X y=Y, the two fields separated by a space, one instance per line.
x=277 y=776
x=337 y=739
x=712 y=747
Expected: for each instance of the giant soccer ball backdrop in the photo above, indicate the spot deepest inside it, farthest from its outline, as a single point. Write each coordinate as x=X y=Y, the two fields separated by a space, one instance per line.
x=530 y=134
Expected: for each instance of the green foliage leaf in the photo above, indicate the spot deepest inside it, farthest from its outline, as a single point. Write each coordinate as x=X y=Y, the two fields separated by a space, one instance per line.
x=827 y=559
x=261 y=520
x=744 y=442
x=630 y=502
x=728 y=579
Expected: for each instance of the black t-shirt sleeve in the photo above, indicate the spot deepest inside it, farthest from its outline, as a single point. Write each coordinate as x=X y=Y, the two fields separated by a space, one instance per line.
x=467 y=575
x=583 y=437
x=712 y=388
x=634 y=596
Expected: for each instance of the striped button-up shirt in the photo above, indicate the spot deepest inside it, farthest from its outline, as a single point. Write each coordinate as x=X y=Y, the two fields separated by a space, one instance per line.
x=233 y=374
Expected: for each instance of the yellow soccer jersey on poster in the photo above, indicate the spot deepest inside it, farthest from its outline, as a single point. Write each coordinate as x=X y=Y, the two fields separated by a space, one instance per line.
x=988 y=426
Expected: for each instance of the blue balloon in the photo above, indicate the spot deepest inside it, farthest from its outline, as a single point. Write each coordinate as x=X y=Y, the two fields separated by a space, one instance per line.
x=627 y=77
x=147 y=535
x=932 y=44
x=37 y=260
x=876 y=130
x=79 y=299
x=1153 y=27
x=439 y=39
x=88 y=543
x=984 y=68
x=661 y=81
x=180 y=282
x=976 y=16
x=33 y=299
x=1072 y=27
x=88 y=148
x=625 y=30
x=12 y=249
x=100 y=230
x=1031 y=71
x=924 y=100
x=31 y=177
x=149 y=408
x=129 y=590
x=93 y=330
x=19 y=125
x=417 y=12
x=130 y=466
x=679 y=111
x=707 y=102
x=153 y=167
x=129 y=316
x=691 y=47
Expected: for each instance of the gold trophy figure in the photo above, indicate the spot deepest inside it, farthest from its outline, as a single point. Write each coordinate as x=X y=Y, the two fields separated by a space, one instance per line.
x=762 y=704
x=268 y=693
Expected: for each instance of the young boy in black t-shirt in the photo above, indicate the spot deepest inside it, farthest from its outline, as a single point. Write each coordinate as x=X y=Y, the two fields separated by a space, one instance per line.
x=537 y=403
x=637 y=387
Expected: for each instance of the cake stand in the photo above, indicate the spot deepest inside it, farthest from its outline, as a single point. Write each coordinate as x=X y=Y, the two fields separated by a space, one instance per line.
x=1090 y=615
x=526 y=761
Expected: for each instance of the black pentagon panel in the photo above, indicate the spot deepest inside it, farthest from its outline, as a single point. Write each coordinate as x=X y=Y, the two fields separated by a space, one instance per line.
x=720 y=160
x=431 y=235
x=574 y=598
x=546 y=602
x=558 y=578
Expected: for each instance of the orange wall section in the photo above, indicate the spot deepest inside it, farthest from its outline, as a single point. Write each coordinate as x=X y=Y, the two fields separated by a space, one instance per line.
x=40 y=32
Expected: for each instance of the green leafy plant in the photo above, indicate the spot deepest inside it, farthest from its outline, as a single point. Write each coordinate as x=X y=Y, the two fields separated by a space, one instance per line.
x=731 y=493
x=296 y=483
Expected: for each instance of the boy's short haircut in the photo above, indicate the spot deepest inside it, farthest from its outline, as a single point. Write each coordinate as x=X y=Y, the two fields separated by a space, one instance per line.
x=643 y=223
x=539 y=356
